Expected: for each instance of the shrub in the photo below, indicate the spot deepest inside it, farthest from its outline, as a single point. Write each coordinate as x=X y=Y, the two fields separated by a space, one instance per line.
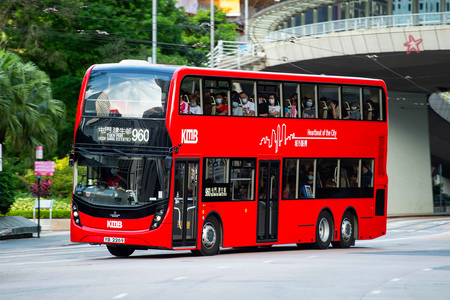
x=45 y=213
x=46 y=184
x=7 y=191
x=62 y=179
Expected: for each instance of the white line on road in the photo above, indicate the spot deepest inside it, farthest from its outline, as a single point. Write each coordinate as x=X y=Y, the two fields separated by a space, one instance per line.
x=120 y=296
x=312 y=256
x=428 y=269
x=179 y=278
x=376 y=292
x=267 y=261
x=224 y=267
x=396 y=279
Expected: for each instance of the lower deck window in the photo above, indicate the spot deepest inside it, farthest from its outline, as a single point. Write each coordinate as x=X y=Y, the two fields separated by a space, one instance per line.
x=229 y=179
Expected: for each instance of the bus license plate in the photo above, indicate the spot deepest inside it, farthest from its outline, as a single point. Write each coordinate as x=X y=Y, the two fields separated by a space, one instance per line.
x=114 y=240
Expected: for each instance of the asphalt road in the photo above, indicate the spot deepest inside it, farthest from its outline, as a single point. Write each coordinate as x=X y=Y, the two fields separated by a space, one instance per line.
x=411 y=262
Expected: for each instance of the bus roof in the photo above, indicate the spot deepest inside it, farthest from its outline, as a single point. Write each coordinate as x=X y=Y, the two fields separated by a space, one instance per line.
x=142 y=65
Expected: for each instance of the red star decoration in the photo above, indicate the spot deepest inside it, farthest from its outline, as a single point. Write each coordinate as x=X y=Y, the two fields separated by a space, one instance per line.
x=413 y=45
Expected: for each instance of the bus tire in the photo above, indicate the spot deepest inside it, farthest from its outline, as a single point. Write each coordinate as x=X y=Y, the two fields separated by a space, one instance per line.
x=347 y=233
x=120 y=251
x=324 y=230
x=210 y=237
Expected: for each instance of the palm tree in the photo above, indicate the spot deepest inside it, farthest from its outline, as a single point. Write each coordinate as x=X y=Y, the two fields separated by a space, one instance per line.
x=28 y=112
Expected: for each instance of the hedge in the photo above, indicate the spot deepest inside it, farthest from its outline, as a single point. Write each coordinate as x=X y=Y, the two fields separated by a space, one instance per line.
x=45 y=213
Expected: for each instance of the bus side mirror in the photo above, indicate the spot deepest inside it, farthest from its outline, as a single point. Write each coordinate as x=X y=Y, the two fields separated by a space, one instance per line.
x=168 y=161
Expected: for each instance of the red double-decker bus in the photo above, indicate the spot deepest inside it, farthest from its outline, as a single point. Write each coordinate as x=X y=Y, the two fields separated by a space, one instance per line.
x=198 y=159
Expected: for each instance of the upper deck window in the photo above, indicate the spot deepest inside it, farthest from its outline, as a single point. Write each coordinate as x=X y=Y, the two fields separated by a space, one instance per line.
x=127 y=94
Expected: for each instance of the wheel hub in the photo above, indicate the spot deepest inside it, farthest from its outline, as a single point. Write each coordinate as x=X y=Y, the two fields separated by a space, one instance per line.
x=324 y=230
x=208 y=236
x=346 y=230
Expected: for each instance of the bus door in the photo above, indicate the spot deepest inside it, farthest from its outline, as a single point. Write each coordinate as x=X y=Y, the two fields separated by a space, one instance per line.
x=185 y=203
x=268 y=185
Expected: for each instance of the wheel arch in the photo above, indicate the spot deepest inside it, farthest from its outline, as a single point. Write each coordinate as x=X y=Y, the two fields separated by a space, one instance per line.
x=215 y=214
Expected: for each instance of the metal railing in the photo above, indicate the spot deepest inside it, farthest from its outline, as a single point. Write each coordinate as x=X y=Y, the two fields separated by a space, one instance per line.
x=424 y=19
x=235 y=54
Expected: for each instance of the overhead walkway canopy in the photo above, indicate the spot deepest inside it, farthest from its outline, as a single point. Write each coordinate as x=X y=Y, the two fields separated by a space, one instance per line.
x=270 y=18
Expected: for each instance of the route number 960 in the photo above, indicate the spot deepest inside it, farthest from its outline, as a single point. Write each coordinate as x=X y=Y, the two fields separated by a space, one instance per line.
x=140 y=135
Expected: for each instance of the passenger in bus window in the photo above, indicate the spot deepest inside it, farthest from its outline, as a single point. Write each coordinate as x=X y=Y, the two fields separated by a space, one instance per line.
x=294 y=107
x=194 y=108
x=221 y=108
x=366 y=176
x=262 y=193
x=248 y=108
x=375 y=114
x=237 y=109
x=184 y=107
x=243 y=192
x=355 y=114
x=330 y=183
x=287 y=108
x=334 y=111
x=309 y=180
x=353 y=180
x=309 y=111
x=263 y=107
x=274 y=108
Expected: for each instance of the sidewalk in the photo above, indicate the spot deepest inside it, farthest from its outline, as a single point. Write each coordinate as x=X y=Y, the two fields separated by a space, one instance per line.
x=47 y=239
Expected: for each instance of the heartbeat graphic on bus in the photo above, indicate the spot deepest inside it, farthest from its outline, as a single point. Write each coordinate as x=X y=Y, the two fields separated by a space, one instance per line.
x=280 y=137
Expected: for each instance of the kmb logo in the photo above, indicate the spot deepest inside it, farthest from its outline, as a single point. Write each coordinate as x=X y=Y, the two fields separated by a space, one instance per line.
x=113 y=224
x=189 y=136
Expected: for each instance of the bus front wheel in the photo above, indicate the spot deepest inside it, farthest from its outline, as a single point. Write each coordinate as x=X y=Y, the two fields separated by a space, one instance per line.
x=210 y=237
x=324 y=230
x=347 y=233
x=120 y=251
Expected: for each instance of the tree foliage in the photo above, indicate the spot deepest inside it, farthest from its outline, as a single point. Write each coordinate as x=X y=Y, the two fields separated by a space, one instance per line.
x=29 y=114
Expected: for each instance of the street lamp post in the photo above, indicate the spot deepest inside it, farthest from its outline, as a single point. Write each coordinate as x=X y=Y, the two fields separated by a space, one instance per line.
x=211 y=63
x=154 y=30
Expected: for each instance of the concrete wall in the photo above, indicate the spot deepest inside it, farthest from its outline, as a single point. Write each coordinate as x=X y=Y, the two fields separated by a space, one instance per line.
x=363 y=41
x=408 y=162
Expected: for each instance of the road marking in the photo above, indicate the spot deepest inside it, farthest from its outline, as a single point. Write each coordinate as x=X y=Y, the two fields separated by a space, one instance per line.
x=396 y=279
x=313 y=256
x=179 y=278
x=427 y=269
x=376 y=292
x=224 y=267
x=120 y=296
x=267 y=261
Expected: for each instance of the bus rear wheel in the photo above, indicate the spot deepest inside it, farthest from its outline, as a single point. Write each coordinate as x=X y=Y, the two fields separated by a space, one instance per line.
x=210 y=237
x=347 y=234
x=324 y=230
x=120 y=251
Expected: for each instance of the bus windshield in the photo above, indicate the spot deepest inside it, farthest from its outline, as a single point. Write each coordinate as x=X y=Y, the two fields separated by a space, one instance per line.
x=126 y=94
x=120 y=181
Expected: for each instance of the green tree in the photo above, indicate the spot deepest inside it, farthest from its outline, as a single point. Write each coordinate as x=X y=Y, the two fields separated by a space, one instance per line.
x=28 y=113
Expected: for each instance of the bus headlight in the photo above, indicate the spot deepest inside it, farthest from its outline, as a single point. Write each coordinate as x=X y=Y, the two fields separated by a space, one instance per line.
x=76 y=215
x=158 y=217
